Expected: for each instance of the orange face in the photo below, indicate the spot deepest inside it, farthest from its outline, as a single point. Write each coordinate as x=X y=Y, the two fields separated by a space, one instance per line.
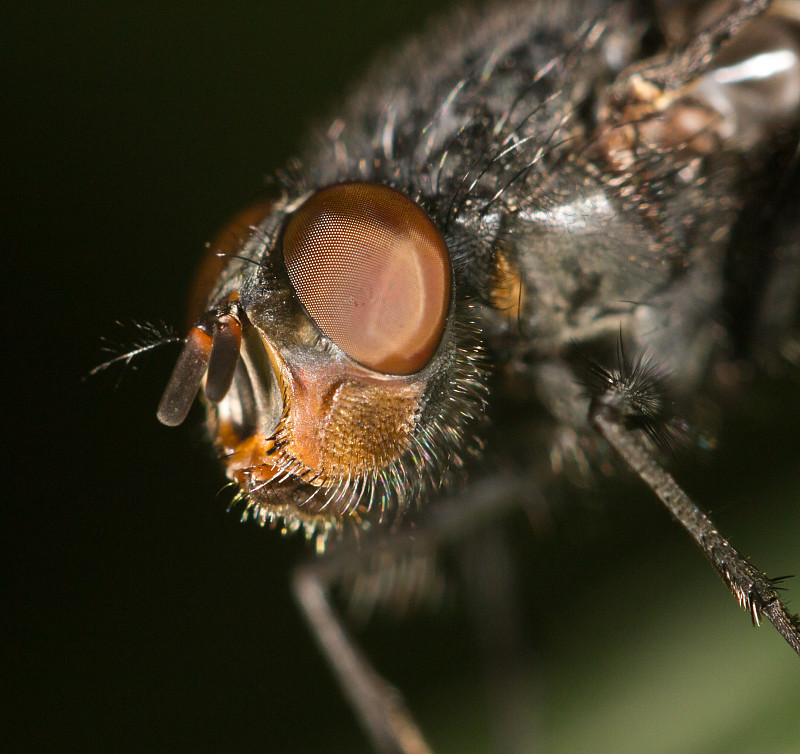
x=324 y=334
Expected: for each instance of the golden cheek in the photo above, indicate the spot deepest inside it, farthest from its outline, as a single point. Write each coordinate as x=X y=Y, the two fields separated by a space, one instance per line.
x=331 y=432
x=367 y=429
x=352 y=429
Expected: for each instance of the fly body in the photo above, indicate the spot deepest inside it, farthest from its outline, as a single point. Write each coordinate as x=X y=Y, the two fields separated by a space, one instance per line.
x=586 y=207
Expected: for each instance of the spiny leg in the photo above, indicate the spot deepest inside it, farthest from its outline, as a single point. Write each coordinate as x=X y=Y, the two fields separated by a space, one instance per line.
x=611 y=412
x=378 y=705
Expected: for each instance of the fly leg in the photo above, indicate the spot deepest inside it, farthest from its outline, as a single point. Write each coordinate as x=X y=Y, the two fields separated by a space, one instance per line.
x=611 y=412
x=377 y=704
x=380 y=707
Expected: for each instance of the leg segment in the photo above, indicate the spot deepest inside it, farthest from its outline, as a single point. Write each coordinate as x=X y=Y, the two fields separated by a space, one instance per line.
x=756 y=593
x=378 y=705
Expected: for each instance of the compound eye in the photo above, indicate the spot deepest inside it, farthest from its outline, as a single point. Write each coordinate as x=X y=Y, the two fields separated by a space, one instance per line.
x=373 y=272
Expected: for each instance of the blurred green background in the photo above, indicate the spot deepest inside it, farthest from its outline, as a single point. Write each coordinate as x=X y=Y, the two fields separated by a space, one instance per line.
x=139 y=615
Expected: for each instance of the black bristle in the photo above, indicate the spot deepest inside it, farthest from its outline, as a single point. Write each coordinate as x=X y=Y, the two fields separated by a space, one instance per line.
x=642 y=391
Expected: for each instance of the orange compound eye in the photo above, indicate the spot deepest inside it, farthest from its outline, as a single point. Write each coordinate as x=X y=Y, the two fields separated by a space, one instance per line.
x=220 y=251
x=373 y=272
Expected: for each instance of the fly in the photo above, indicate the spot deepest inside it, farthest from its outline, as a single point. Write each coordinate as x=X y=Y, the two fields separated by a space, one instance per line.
x=591 y=206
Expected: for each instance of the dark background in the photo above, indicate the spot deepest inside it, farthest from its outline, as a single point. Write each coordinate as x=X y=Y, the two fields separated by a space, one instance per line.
x=137 y=612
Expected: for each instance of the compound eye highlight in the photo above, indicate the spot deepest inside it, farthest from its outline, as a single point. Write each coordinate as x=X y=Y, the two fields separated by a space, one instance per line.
x=373 y=271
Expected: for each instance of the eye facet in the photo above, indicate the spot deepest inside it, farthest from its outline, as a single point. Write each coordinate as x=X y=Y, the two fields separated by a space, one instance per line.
x=373 y=272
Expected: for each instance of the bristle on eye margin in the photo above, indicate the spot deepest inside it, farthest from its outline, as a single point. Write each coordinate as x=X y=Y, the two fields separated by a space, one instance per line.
x=225 y=345
x=184 y=382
